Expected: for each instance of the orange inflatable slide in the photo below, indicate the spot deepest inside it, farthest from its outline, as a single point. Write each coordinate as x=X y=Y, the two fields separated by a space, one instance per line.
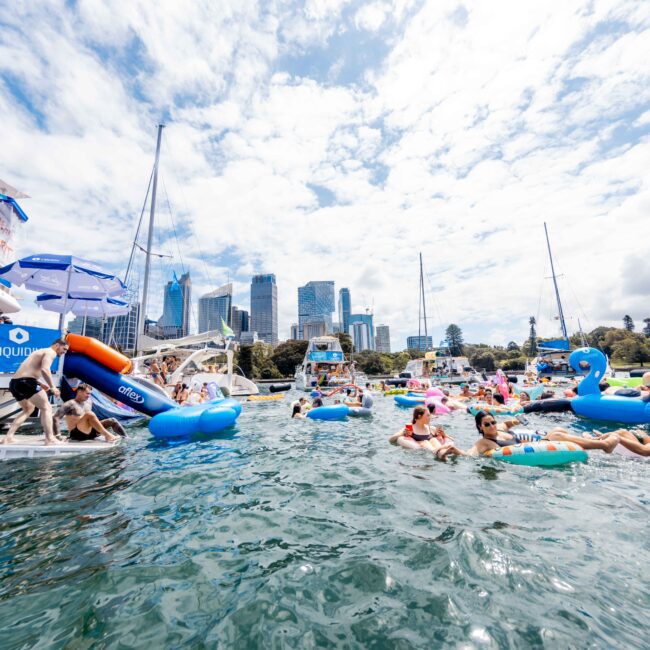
x=99 y=352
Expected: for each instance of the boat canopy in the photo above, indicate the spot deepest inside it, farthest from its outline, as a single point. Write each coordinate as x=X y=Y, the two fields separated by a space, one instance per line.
x=558 y=344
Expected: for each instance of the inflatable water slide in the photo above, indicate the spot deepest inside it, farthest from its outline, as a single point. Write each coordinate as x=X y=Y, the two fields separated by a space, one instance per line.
x=105 y=369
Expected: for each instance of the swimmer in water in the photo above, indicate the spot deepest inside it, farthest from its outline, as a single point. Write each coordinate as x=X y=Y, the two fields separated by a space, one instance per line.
x=489 y=440
x=297 y=412
x=420 y=434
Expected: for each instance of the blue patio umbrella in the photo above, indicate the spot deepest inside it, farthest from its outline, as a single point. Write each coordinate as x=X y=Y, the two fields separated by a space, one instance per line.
x=87 y=307
x=63 y=275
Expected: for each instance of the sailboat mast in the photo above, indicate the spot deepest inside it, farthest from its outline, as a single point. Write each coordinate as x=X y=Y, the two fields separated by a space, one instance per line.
x=424 y=306
x=557 y=292
x=147 y=266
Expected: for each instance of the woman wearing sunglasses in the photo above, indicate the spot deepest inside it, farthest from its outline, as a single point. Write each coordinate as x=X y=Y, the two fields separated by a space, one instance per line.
x=489 y=440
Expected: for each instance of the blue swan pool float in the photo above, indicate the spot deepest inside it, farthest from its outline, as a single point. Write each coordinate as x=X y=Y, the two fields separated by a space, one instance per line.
x=591 y=403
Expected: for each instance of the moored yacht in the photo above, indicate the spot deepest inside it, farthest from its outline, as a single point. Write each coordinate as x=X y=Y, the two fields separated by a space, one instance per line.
x=325 y=365
x=439 y=367
x=203 y=359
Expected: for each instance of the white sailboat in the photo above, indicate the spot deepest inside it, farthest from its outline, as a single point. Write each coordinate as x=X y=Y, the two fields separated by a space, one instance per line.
x=438 y=365
x=194 y=352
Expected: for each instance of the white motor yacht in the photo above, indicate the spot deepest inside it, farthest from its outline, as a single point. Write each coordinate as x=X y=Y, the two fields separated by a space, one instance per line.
x=198 y=356
x=325 y=365
x=438 y=367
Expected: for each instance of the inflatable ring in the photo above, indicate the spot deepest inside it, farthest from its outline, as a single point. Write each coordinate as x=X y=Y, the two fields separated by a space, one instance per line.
x=540 y=454
x=408 y=400
x=494 y=410
x=264 y=398
x=334 y=412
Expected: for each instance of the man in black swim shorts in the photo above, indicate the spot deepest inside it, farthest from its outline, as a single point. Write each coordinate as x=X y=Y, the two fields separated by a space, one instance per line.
x=29 y=387
x=83 y=424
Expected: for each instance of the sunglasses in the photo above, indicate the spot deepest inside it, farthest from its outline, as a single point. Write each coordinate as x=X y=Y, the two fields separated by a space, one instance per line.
x=489 y=424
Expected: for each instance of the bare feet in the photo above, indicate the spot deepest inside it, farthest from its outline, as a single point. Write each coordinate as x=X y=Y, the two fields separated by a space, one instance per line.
x=110 y=437
x=7 y=440
x=611 y=441
x=54 y=441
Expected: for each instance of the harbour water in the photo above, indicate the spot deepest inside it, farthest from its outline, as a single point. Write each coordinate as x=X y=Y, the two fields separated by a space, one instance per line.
x=307 y=534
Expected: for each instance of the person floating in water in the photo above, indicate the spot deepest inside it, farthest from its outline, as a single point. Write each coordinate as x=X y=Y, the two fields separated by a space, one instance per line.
x=30 y=386
x=83 y=424
x=420 y=434
x=489 y=441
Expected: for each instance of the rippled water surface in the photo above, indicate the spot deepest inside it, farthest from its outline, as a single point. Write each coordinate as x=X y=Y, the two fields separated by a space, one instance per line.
x=303 y=534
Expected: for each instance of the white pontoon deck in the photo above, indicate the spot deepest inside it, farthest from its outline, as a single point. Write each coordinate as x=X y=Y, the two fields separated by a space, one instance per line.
x=35 y=447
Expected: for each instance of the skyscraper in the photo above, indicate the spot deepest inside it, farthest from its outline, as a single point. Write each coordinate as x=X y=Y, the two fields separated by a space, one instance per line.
x=369 y=340
x=175 y=319
x=360 y=335
x=93 y=326
x=344 y=310
x=294 y=331
x=423 y=343
x=124 y=333
x=214 y=306
x=315 y=306
x=239 y=322
x=382 y=338
x=264 y=307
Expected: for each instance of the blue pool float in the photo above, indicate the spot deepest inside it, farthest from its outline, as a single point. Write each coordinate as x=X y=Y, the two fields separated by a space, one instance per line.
x=210 y=417
x=591 y=403
x=334 y=412
x=540 y=454
x=408 y=400
x=359 y=412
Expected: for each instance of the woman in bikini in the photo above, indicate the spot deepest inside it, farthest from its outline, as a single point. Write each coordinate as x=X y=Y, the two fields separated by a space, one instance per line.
x=420 y=434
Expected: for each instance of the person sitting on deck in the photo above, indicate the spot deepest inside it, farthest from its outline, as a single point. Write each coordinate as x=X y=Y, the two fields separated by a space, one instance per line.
x=83 y=424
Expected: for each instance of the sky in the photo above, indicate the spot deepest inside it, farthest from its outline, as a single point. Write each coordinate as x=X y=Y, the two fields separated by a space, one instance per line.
x=336 y=140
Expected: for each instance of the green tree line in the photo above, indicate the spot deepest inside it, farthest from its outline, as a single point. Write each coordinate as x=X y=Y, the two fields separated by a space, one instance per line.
x=623 y=345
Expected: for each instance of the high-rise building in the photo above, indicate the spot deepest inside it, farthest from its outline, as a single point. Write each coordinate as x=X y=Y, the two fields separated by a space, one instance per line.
x=344 y=310
x=248 y=338
x=214 y=306
x=315 y=306
x=317 y=328
x=369 y=340
x=360 y=335
x=294 y=331
x=239 y=322
x=93 y=326
x=122 y=331
x=336 y=328
x=423 y=343
x=264 y=307
x=382 y=338
x=175 y=319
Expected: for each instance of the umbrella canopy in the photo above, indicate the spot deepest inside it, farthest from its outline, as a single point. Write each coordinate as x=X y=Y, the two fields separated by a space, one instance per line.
x=54 y=273
x=90 y=307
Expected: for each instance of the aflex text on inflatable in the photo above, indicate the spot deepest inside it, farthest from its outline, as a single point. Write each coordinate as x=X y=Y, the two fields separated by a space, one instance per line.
x=591 y=403
x=168 y=418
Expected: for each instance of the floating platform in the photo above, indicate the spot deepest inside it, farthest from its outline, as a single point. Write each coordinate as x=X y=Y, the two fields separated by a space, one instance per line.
x=35 y=447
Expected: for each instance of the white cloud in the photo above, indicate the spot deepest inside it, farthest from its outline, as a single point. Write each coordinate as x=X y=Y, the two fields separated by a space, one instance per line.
x=371 y=16
x=480 y=124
